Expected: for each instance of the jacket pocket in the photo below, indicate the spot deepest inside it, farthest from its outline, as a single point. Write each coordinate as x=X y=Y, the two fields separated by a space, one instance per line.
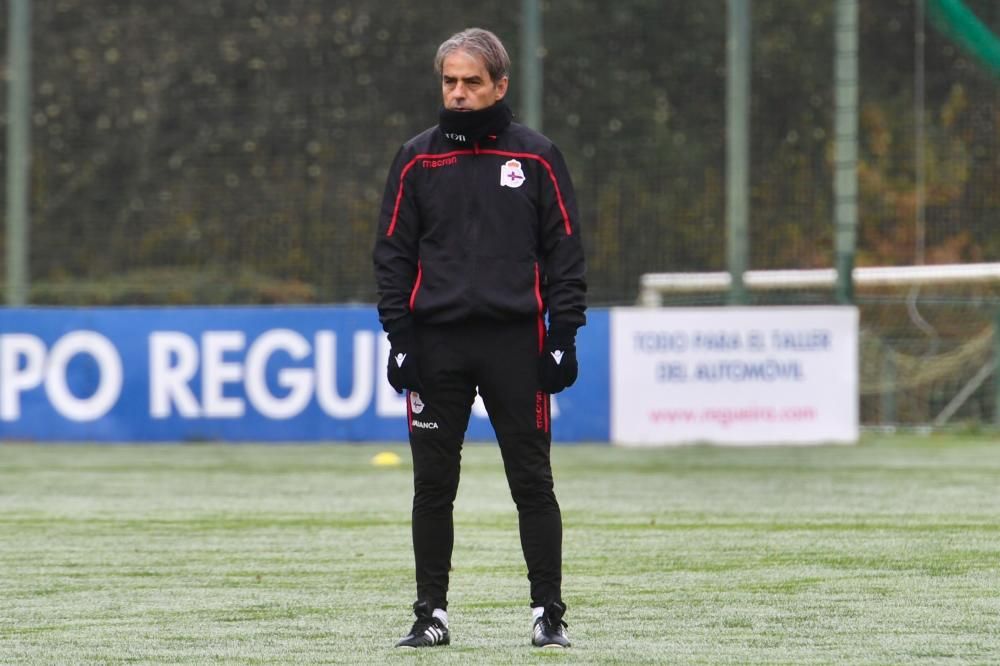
x=508 y=288
x=440 y=287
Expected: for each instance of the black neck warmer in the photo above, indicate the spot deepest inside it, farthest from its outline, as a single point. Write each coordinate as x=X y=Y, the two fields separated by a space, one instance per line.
x=470 y=127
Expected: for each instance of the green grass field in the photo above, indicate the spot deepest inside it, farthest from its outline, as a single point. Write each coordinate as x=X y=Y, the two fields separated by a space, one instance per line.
x=883 y=553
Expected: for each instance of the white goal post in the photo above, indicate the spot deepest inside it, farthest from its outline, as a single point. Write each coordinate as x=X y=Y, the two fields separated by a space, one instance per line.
x=652 y=286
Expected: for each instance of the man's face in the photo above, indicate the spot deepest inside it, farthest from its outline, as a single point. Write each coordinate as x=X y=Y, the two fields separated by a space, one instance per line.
x=466 y=85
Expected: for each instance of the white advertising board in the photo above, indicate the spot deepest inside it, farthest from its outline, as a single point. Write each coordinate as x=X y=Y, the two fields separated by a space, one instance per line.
x=734 y=375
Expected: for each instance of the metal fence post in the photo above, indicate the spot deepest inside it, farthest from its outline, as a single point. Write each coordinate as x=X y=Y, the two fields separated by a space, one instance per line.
x=531 y=63
x=738 y=146
x=845 y=180
x=18 y=148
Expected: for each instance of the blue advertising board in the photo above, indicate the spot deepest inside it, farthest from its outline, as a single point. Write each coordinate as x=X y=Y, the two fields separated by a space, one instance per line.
x=233 y=374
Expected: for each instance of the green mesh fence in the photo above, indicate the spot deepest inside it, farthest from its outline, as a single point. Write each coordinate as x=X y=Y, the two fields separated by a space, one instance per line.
x=251 y=139
x=235 y=151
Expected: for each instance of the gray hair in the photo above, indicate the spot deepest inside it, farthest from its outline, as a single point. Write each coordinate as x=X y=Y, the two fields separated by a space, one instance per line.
x=477 y=42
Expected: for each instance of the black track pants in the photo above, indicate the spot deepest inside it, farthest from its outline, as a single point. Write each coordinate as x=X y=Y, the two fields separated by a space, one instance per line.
x=501 y=359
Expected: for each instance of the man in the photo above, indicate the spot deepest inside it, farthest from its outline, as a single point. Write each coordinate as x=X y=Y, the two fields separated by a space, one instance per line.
x=478 y=240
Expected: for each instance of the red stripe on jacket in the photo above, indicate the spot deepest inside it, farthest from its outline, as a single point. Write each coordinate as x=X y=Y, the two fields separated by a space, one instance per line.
x=416 y=284
x=402 y=176
x=541 y=310
x=502 y=153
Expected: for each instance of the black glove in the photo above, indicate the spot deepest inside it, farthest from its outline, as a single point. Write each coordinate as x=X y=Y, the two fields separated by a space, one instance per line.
x=402 y=367
x=557 y=367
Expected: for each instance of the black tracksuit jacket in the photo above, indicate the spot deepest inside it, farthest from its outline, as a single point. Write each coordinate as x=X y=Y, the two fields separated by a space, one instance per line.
x=480 y=231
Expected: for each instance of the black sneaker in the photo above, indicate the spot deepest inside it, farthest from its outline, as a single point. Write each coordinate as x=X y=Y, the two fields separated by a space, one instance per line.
x=549 y=630
x=427 y=631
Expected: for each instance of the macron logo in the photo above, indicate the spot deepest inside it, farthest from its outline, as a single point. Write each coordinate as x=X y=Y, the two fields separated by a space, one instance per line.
x=557 y=355
x=400 y=357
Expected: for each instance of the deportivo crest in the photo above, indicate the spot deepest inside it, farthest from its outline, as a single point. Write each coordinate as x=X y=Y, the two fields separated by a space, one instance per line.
x=416 y=404
x=511 y=174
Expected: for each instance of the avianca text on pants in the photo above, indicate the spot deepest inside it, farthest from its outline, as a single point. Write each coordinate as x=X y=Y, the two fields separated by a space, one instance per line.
x=181 y=374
